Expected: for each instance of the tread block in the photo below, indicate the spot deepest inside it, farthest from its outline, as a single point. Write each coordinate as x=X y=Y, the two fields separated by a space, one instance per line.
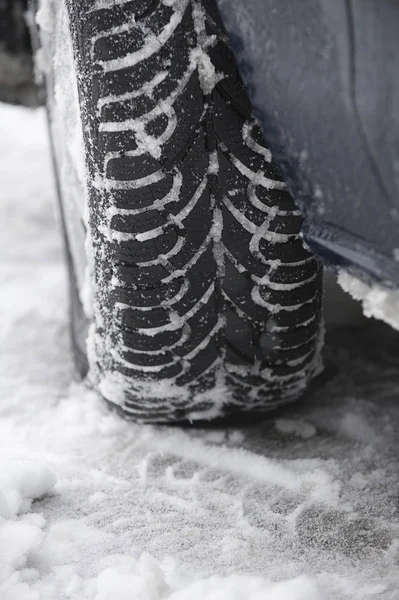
x=231 y=86
x=150 y=297
x=200 y=363
x=148 y=360
x=138 y=223
x=142 y=276
x=239 y=336
x=128 y=168
x=238 y=287
x=199 y=280
x=228 y=127
x=296 y=318
x=151 y=343
x=116 y=141
x=287 y=224
x=134 y=252
x=188 y=110
x=237 y=241
x=298 y=295
x=288 y=252
x=162 y=374
x=131 y=199
x=119 y=44
x=279 y=198
x=293 y=274
x=134 y=319
x=201 y=325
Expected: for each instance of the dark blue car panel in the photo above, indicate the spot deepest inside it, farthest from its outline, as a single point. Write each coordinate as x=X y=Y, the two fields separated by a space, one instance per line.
x=324 y=78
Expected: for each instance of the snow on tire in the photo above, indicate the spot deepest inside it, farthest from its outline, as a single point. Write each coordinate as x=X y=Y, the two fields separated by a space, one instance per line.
x=205 y=300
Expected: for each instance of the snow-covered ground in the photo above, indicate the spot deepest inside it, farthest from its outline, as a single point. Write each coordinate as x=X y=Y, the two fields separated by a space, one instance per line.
x=302 y=506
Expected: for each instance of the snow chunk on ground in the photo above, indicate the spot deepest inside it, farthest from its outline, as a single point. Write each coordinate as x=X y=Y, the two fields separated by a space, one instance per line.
x=377 y=301
x=146 y=580
x=17 y=540
x=20 y=483
x=239 y=587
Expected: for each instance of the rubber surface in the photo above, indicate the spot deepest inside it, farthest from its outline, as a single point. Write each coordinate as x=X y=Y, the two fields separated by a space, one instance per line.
x=206 y=300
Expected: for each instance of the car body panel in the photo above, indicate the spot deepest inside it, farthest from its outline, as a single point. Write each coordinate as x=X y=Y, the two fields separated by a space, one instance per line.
x=323 y=78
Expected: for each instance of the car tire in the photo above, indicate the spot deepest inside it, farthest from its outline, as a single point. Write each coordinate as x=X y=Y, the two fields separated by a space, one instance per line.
x=199 y=295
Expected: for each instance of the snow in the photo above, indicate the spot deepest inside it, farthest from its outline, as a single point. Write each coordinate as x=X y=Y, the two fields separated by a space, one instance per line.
x=44 y=15
x=377 y=301
x=247 y=129
x=300 y=506
x=56 y=57
x=20 y=483
x=207 y=73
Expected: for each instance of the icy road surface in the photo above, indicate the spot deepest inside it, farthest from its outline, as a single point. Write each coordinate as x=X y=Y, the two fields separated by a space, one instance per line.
x=303 y=506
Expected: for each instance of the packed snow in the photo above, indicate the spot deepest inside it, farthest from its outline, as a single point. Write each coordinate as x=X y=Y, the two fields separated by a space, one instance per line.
x=377 y=301
x=300 y=506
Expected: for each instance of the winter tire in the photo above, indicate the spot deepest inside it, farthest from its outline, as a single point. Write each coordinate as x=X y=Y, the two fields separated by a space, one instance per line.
x=204 y=301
